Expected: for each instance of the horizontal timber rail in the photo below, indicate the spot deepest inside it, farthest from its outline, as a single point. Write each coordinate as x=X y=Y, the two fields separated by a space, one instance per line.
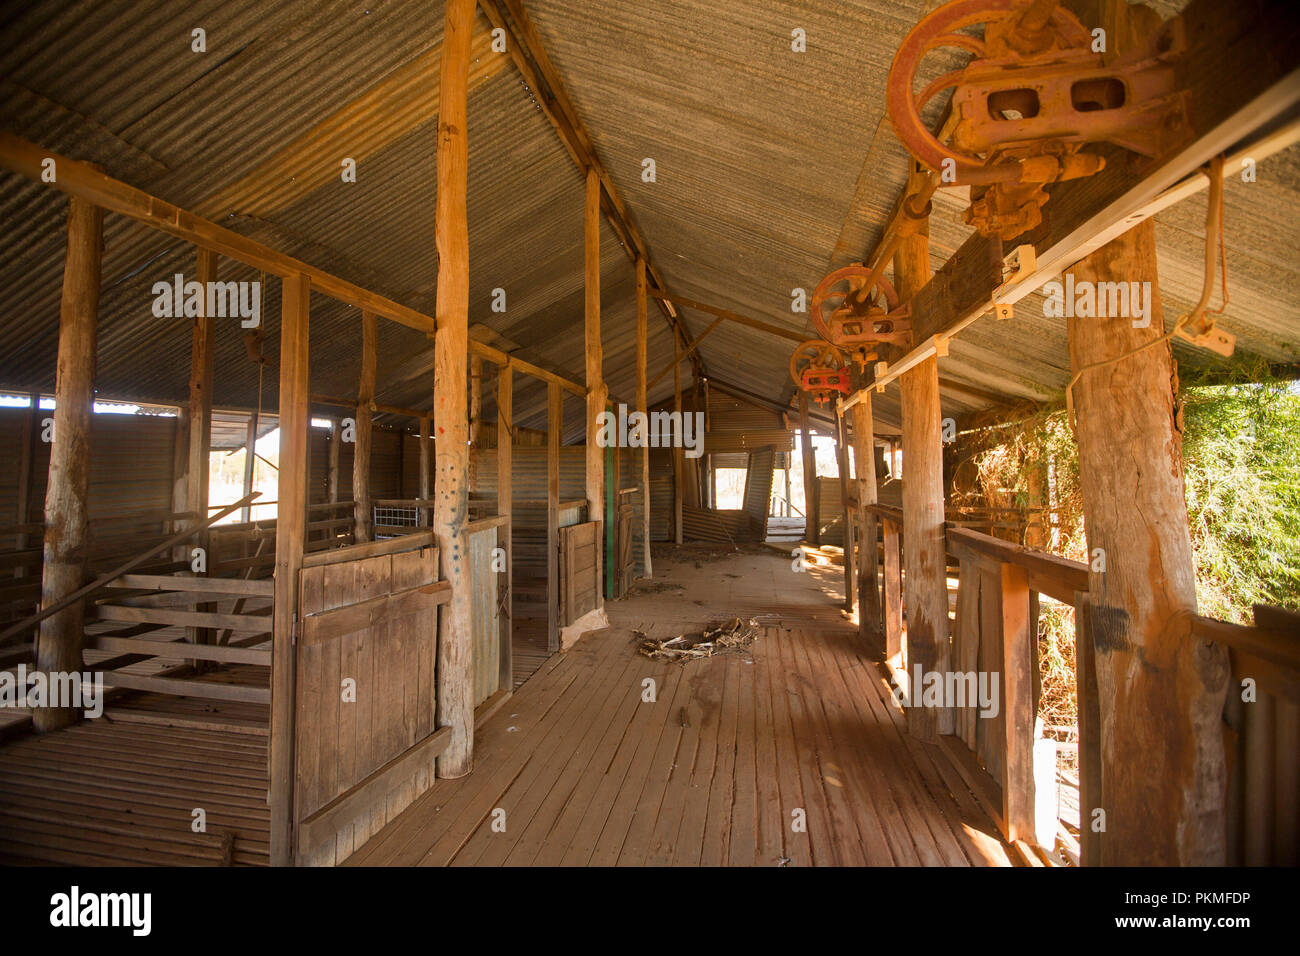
x=1003 y=757
x=81 y=179
x=99 y=584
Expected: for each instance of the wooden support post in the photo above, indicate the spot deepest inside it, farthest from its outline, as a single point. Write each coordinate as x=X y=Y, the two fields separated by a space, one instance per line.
x=676 y=451
x=923 y=514
x=505 y=534
x=596 y=392
x=332 y=478
x=203 y=342
x=455 y=670
x=290 y=540
x=1161 y=692
x=641 y=312
x=202 y=349
x=59 y=641
x=180 y=475
x=864 y=457
x=893 y=597
x=250 y=461
x=554 y=423
x=29 y=441
x=362 y=513
x=848 y=514
x=475 y=399
x=426 y=466
x=812 y=524
x=1019 y=665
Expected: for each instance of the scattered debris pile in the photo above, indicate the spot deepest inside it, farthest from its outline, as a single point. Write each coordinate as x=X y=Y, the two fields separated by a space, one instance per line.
x=683 y=647
x=643 y=586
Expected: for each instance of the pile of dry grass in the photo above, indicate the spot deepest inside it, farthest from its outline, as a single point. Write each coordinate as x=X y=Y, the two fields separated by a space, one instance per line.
x=712 y=640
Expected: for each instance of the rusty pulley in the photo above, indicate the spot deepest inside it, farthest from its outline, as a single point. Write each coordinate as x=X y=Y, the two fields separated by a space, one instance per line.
x=850 y=316
x=820 y=369
x=1038 y=88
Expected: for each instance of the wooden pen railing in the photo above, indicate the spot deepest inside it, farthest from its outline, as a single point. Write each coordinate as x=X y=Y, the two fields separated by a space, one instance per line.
x=1002 y=757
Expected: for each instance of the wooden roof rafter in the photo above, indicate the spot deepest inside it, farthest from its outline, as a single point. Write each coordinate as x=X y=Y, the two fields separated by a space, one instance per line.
x=524 y=45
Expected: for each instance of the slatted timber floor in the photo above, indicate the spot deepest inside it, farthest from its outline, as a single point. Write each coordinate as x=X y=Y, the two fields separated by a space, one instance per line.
x=121 y=789
x=715 y=769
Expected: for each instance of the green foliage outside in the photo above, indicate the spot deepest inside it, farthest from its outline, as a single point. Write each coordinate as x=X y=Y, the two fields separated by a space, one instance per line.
x=1241 y=457
x=1241 y=451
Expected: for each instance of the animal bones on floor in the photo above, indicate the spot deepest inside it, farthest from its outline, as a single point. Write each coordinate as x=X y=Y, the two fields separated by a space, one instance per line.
x=734 y=633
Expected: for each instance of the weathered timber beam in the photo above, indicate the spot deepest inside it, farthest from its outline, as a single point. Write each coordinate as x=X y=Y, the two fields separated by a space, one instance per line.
x=690 y=351
x=527 y=368
x=791 y=334
x=525 y=47
x=83 y=180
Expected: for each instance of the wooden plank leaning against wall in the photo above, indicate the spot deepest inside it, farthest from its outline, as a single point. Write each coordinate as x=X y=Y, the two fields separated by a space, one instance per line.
x=59 y=641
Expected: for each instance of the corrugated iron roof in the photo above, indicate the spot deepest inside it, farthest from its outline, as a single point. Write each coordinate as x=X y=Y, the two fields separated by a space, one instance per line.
x=771 y=166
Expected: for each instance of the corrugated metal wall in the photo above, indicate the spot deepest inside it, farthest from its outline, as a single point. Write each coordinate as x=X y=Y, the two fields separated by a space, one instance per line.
x=130 y=464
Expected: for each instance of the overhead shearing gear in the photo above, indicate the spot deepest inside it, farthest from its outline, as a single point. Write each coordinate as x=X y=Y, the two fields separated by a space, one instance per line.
x=820 y=369
x=851 y=316
x=1038 y=89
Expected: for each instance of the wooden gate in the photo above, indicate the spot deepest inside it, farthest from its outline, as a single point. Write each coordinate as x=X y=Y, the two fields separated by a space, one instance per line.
x=365 y=737
x=624 y=535
x=578 y=570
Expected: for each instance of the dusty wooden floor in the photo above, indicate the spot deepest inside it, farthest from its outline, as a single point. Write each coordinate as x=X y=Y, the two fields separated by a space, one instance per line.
x=719 y=768
x=122 y=793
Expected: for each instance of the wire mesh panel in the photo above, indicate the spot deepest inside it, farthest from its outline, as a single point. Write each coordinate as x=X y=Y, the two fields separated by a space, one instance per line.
x=392 y=522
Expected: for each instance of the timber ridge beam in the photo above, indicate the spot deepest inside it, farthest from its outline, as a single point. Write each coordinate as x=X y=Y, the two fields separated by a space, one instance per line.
x=77 y=178
x=543 y=81
x=1241 y=78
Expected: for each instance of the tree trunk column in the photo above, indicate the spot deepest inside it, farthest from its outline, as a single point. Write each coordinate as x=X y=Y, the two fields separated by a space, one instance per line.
x=451 y=355
x=59 y=642
x=1162 y=694
x=924 y=548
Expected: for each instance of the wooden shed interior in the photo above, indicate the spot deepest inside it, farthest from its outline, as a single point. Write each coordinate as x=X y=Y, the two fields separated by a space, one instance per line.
x=325 y=333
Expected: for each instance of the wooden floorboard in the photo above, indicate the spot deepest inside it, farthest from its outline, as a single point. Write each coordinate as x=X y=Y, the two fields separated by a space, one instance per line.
x=104 y=793
x=719 y=768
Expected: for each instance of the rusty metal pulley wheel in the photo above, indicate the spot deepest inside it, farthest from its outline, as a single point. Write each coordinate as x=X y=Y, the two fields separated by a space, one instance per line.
x=819 y=369
x=1016 y=31
x=837 y=308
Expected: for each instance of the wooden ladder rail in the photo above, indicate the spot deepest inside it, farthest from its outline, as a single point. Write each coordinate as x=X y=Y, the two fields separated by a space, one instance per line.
x=8 y=634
